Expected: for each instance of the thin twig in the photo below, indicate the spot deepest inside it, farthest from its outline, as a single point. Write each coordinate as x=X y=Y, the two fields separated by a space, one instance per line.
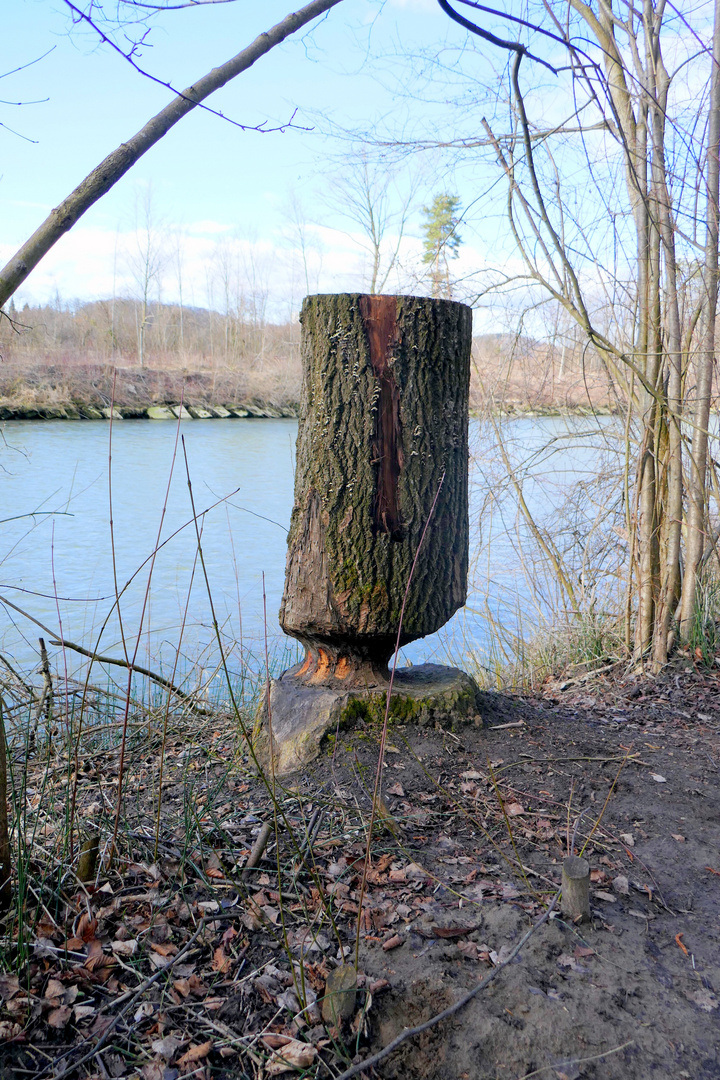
x=578 y=1061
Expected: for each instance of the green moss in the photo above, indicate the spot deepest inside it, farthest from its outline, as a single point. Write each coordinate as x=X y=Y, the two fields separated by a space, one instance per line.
x=347 y=577
x=357 y=709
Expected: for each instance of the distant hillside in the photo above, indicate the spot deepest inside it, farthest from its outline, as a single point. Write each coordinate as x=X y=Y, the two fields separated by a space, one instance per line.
x=69 y=356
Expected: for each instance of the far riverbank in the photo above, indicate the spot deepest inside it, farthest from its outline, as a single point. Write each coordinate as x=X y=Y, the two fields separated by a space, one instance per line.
x=249 y=410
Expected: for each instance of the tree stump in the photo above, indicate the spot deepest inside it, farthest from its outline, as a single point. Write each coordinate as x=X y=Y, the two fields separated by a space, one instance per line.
x=382 y=435
x=576 y=888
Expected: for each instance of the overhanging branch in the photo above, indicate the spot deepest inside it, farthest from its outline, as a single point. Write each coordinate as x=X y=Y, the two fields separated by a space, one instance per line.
x=116 y=164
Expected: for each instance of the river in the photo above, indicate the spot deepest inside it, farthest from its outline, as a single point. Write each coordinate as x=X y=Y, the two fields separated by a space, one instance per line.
x=62 y=563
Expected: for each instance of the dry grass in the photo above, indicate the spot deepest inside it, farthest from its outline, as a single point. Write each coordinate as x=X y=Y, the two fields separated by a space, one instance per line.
x=63 y=356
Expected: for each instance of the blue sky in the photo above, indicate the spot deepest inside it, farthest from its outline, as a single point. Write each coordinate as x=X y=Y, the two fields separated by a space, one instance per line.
x=212 y=181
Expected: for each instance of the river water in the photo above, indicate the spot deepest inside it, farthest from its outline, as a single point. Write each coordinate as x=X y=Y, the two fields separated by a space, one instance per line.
x=62 y=563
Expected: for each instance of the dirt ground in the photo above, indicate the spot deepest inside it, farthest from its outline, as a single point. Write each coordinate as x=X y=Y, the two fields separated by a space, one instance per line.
x=464 y=861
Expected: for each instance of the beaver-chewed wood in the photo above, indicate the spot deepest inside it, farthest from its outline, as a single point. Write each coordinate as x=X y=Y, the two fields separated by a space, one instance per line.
x=384 y=418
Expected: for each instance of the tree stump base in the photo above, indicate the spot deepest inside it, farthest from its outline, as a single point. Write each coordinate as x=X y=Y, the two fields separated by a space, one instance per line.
x=302 y=715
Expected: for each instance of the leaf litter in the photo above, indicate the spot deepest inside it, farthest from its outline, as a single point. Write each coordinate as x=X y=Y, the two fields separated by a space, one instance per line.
x=174 y=962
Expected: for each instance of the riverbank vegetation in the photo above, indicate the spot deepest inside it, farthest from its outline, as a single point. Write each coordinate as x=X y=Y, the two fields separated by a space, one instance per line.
x=71 y=356
x=202 y=931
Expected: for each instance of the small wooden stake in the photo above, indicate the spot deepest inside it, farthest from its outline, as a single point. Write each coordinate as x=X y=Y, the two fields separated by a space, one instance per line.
x=340 y=992
x=576 y=888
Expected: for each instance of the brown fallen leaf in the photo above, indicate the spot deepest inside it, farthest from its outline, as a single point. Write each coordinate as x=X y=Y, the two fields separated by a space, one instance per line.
x=153 y=1070
x=451 y=931
x=9 y=986
x=83 y=1012
x=396 y=789
x=164 y=948
x=86 y=927
x=158 y=961
x=124 y=948
x=167 y=1047
x=514 y=809
x=99 y=962
x=221 y=962
x=54 y=992
x=58 y=1018
x=621 y=885
x=293 y=1055
x=195 y=1053
x=274 y=1040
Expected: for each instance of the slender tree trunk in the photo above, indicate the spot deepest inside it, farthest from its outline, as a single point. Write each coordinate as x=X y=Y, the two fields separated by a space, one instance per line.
x=697 y=482
x=5 y=859
x=673 y=510
x=650 y=476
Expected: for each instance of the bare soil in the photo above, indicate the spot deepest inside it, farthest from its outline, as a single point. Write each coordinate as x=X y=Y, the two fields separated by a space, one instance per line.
x=635 y=993
x=464 y=861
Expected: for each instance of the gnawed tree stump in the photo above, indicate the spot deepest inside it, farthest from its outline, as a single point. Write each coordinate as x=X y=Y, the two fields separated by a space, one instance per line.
x=383 y=432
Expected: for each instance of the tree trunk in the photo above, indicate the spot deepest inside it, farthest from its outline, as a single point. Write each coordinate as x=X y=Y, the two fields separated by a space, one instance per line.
x=697 y=509
x=383 y=429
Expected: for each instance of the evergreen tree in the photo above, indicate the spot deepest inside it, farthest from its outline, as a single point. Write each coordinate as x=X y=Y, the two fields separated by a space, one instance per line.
x=441 y=241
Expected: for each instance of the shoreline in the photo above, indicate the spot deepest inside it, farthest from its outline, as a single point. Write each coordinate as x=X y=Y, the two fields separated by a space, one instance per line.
x=254 y=410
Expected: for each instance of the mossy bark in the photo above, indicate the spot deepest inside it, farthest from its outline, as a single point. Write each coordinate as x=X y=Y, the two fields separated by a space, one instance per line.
x=383 y=420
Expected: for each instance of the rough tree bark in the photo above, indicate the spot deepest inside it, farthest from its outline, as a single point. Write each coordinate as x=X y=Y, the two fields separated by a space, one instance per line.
x=384 y=419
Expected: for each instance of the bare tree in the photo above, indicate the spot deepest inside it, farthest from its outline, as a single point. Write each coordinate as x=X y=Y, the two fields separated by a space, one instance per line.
x=622 y=262
x=368 y=193
x=146 y=259
x=304 y=240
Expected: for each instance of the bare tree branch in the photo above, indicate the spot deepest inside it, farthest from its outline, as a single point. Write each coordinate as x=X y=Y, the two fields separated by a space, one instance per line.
x=116 y=164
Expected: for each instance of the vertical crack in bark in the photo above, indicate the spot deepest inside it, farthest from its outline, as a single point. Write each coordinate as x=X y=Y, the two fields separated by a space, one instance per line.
x=379 y=316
